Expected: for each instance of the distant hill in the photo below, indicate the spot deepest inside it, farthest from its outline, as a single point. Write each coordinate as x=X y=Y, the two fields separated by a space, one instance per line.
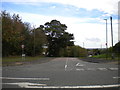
x=95 y=48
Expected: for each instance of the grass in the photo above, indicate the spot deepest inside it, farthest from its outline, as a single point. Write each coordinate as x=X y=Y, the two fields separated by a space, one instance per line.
x=104 y=56
x=14 y=59
x=100 y=56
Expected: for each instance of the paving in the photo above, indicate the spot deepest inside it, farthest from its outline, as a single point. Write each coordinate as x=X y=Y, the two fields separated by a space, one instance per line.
x=61 y=73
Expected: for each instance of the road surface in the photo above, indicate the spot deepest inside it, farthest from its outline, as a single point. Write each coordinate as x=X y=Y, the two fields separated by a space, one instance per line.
x=61 y=73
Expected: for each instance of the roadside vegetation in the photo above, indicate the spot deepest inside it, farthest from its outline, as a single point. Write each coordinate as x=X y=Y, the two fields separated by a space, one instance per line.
x=107 y=53
x=104 y=56
x=17 y=60
x=48 y=40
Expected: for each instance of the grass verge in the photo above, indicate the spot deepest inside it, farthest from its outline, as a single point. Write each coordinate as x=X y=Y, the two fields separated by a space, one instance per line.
x=18 y=60
x=104 y=56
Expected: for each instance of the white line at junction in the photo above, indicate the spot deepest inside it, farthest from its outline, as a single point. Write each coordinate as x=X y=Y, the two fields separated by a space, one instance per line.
x=26 y=84
x=113 y=68
x=25 y=78
x=91 y=69
x=103 y=69
x=116 y=77
x=92 y=86
x=80 y=69
x=36 y=85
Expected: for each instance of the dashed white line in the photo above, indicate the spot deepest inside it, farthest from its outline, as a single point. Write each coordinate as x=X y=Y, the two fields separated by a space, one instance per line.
x=102 y=69
x=113 y=68
x=91 y=69
x=94 y=69
x=116 y=77
x=81 y=69
x=25 y=78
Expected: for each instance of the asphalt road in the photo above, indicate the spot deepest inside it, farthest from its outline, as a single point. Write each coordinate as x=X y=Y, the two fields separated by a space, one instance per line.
x=61 y=73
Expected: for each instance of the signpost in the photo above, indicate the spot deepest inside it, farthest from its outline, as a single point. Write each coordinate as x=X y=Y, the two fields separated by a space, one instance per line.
x=23 y=55
x=106 y=40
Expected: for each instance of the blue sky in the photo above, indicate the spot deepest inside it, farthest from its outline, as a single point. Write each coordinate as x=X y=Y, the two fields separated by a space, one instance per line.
x=84 y=19
x=53 y=9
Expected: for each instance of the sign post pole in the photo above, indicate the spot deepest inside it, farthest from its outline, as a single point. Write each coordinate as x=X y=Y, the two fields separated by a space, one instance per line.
x=23 y=55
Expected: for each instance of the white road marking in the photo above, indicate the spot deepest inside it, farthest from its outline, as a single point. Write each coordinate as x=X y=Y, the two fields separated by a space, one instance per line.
x=94 y=69
x=35 y=85
x=78 y=64
x=26 y=84
x=116 y=77
x=66 y=64
x=92 y=86
x=113 y=68
x=80 y=69
x=25 y=78
x=91 y=69
x=65 y=67
x=103 y=69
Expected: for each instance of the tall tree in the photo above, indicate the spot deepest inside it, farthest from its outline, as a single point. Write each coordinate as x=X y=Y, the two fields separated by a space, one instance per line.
x=116 y=48
x=11 y=37
x=15 y=33
x=57 y=37
x=40 y=40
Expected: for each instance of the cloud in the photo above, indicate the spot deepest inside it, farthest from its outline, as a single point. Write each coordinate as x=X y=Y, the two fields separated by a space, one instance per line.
x=108 y=6
x=93 y=39
x=53 y=7
x=93 y=34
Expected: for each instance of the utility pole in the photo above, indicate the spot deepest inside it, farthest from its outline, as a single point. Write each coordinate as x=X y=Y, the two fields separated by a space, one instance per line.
x=83 y=45
x=106 y=40
x=34 y=39
x=101 y=46
x=112 y=38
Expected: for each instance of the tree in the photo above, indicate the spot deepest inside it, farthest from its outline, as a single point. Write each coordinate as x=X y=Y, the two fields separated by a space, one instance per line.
x=77 y=51
x=11 y=33
x=116 y=48
x=39 y=39
x=57 y=37
x=16 y=33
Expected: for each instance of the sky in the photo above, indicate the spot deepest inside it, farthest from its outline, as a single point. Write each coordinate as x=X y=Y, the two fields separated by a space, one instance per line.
x=84 y=18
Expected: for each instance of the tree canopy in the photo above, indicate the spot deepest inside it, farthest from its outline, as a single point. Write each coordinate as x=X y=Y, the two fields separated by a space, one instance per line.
x=16 y=33
x=57 y=37
x=50 y=39
x=116 y=48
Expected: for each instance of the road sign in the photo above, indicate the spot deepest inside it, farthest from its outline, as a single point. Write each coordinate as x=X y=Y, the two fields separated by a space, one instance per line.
x=22 y=46
x=23 y=55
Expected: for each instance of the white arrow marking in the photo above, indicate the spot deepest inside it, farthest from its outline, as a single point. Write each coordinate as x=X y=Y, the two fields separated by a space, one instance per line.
x=65 y=66
x=78 y=64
